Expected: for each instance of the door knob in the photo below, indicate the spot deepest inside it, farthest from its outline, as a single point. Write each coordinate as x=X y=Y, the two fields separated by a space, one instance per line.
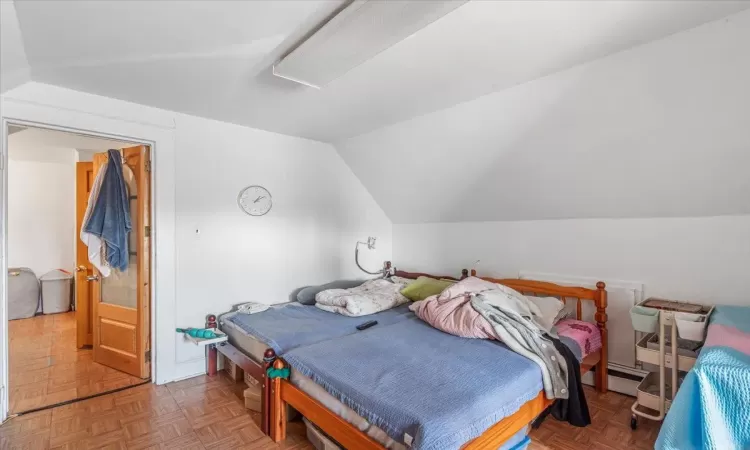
x=81 y=268
x=93 y=278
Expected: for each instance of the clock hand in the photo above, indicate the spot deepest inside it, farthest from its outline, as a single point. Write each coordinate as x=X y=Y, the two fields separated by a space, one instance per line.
x=259 y=198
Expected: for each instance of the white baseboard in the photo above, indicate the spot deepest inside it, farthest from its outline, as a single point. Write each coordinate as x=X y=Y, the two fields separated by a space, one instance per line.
x=188 y=369
x=618 y=384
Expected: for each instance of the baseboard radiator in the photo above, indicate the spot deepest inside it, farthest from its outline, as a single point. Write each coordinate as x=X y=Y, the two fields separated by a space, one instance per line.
x=621 y=379
x=623 y=374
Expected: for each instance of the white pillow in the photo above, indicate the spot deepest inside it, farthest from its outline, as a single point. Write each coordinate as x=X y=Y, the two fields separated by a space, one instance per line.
x=550 y=307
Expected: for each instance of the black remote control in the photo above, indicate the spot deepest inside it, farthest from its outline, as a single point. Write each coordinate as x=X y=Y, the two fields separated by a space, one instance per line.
x=367 y=325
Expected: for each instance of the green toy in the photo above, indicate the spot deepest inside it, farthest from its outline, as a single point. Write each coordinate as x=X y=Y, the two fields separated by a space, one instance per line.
x=199 y=333
x=278 y=373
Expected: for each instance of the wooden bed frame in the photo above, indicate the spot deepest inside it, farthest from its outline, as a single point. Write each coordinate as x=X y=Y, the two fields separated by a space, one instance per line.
x=283 y=392
x=278 y=392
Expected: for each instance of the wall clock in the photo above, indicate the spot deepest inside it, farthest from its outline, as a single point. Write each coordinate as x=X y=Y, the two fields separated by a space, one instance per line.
x=255 y=200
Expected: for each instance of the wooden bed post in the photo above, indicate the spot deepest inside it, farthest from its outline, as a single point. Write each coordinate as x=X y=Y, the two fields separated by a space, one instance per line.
x=212 y=356
x=600 y=380
x=278 y=407
x=265 y=400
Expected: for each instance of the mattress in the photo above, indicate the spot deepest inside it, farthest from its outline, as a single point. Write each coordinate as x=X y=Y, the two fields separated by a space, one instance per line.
x=582 y=337
x=288 y=326
x=424 y=387
x=254 y=347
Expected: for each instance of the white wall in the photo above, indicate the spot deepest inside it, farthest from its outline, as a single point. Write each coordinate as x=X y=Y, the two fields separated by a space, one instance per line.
x=225 y=257
x=660 y=130
x=702 y=259
x=41 y=207
x=320 y=210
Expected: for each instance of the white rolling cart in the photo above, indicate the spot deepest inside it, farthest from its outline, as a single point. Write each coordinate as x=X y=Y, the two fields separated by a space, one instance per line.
x=662 y=349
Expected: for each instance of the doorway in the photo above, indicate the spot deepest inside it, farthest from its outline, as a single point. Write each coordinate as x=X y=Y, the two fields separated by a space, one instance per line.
x=89 y=331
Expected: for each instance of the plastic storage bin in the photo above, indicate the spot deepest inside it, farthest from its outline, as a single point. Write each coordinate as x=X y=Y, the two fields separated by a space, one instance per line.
x=23 y=293
x=644 y=319
x=318 y=439
x=57 y=291
x=691 y=326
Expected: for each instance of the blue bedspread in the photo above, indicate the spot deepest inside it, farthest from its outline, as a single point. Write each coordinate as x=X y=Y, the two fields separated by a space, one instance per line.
x=419 y=384
x=287 y=327
x=712 y=407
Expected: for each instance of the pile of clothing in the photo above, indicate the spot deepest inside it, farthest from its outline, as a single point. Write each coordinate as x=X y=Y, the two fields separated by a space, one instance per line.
x=479 y=309
x=106 y=222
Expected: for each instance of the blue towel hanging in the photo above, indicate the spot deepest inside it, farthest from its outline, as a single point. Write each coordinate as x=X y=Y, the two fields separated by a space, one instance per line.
x=110 y=219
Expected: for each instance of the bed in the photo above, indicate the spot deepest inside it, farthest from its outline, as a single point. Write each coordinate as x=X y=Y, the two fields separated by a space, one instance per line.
x=712 y=407
x=255 y=340
x=515 y=405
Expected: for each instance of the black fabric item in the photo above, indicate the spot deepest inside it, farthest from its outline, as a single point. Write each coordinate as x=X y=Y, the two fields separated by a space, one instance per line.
x=574 y=410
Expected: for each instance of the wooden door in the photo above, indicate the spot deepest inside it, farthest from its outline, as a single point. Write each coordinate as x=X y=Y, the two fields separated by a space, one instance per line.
x=84 y=269
x=121 y=302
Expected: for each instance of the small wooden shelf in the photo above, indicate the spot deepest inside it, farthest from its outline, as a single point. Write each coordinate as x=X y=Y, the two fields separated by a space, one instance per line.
x=203 y=342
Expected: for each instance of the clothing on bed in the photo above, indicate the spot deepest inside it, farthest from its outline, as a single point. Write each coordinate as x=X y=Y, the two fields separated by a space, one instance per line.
x=420 y=384
x=293 y=325
x=451 y=310
x=454 y=315
x=371 y=297
x=513 y=324
x=477 y=308
x=712 y=407
x=574 y=409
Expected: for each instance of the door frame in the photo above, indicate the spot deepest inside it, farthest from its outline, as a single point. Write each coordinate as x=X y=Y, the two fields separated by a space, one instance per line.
x=161 y=141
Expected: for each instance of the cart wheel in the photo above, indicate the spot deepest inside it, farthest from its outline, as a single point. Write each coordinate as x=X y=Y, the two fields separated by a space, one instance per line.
x=633 y=422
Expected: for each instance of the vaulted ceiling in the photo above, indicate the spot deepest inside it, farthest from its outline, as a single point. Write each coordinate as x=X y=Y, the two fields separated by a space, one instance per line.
x=500 y=110
x=660 y=130
x=213 y=58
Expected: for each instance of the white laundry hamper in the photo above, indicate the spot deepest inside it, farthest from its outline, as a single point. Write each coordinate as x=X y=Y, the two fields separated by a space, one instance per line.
x=23 y=293
x=57 y=291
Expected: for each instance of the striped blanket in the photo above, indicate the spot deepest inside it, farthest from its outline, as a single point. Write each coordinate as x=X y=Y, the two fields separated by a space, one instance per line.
x=712 y=408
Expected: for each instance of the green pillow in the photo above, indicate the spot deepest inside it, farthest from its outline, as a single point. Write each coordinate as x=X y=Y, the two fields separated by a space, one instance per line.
x=423 y=287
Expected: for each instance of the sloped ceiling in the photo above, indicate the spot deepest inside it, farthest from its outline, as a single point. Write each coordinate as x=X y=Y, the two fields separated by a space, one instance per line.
x=14 y=68
x=213 y=58
x=661 y=130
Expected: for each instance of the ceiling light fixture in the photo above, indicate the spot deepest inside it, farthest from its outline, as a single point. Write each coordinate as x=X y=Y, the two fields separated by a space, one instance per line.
x=357 y=33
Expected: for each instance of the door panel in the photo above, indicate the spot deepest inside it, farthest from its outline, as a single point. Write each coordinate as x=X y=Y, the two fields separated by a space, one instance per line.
x=84 y=269
x=121 y=302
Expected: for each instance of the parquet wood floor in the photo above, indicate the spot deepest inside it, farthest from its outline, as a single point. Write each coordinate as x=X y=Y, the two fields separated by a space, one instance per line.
x=46 y=367
x=609 y=429
x=208 y=413
x=198 y=413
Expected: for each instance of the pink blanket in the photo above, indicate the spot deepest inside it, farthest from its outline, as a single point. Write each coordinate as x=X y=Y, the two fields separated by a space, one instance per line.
x=451 y=310
x=586 y=335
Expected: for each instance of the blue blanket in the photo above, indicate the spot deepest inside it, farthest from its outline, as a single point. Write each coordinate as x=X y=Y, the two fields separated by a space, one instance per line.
x=294 y=325
x=712 y=407
x=110 y=218
x=420 y=385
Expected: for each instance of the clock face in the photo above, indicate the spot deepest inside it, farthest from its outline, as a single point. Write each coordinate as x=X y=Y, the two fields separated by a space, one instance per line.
x=255 y=200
